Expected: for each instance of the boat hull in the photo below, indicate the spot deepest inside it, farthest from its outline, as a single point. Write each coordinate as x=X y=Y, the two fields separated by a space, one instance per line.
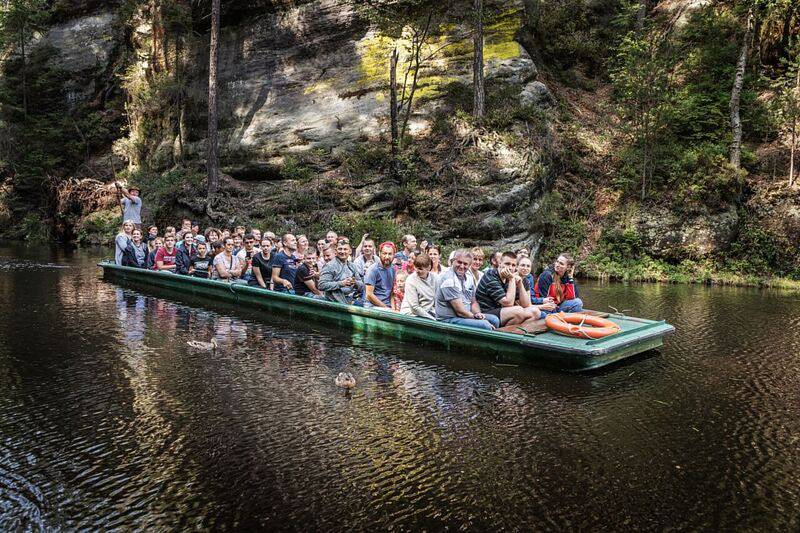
x=547 y=349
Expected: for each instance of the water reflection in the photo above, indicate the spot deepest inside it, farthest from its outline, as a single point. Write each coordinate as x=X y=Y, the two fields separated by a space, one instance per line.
x=108 y=419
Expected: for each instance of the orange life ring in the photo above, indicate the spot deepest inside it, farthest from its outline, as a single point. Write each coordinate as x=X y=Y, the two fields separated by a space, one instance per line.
x=581 y=325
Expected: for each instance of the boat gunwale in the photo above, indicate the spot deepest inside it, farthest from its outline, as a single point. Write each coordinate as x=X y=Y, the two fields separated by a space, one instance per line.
x=525 y=341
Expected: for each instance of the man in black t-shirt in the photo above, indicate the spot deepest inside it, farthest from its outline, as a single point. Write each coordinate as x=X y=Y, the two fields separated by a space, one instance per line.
x=305 y=280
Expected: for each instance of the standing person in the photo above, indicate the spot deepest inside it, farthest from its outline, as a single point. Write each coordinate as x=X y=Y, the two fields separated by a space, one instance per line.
x=165 y=257
x=186 y=251
x=284 y=267
x=557 y=283
x=434 y=251
x=135 y=255
x=131 y=204
x=366 y=259
x=420 y=289
x=476 y=268
x=500 y=288
x=246 y=254
x=121 y=240
x=262 y=265
x=200 y=265
x=226 y=265
x=454 y=300
x=158 y=243
x=380 y=279
x=409 y=244
x=339 y=279
x=305 y=280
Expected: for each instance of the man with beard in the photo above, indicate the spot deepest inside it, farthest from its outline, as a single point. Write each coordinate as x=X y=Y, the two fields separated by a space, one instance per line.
x=379 y=281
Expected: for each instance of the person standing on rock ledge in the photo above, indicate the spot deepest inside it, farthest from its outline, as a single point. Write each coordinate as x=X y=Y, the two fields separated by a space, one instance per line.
x=131 y=205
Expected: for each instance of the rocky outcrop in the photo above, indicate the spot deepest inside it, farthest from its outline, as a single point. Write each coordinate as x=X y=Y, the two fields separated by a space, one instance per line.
x=667 y=235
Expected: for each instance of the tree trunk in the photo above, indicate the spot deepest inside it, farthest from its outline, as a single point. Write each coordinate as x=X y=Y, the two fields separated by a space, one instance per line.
x=736 y=93
x=212 y=156
x=793 y=148
x=417 y=53
x=393 y=111
x=641 y=14
x=479 y=94
x=24 y=75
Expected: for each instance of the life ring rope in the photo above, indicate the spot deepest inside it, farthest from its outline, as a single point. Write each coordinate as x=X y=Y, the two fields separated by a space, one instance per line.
x=575 y=325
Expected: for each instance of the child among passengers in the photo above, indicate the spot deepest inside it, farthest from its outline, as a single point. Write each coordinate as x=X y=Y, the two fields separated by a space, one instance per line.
x=398 y=292
x=200 y=264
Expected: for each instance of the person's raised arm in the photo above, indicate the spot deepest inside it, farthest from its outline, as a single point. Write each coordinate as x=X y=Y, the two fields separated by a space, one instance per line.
x=357 y=252
x=511 y=294
x=124 y=191
x=524 y=295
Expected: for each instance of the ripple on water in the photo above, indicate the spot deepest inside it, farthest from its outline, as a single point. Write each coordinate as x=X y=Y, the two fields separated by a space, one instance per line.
x=109 y=420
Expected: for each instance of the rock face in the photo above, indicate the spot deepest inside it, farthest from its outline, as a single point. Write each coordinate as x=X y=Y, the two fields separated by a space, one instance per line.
x=536 y=94
x=668 y=236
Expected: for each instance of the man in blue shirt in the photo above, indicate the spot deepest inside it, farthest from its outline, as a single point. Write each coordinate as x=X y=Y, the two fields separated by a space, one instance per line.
x=379 y=281
x=131 y=205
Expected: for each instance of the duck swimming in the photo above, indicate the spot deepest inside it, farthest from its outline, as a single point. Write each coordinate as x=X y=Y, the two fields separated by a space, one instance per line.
x=207 y=346
x=345 y=380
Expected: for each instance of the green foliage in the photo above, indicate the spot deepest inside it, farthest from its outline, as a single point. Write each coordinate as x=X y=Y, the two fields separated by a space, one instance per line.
x=34 y=229
x=99 y=227
x=760 y=252
x=295 y=169
x=380 y=229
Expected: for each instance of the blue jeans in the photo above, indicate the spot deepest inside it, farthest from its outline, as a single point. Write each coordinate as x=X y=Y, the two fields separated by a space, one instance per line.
x=567 y=306
x=487 y=323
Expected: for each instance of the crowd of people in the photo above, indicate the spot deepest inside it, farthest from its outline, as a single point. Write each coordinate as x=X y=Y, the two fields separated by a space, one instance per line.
x=410 y=278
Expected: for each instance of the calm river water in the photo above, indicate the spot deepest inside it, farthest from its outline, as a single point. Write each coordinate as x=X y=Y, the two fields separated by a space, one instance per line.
x=109 y=420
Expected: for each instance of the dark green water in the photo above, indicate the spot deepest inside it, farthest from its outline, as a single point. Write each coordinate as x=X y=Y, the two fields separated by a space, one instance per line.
x=108 y=420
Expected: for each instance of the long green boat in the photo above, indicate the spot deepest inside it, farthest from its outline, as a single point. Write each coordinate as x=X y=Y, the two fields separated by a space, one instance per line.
x=543 y=348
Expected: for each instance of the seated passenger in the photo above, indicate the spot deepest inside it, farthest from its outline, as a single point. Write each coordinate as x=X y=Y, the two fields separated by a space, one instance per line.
x=226 y=266
x=398 y=292
x=332 y=238
x=135 y=255
x=237 y=243
x=454 y=300
x=556 y=282
x=420 y=289
x=499 y=290
x=262 y=265
x=198 y=237
x=186 y=227
x=170 y=230
x=212 y=235
x=409 y=244
x=200 y=264
x=121 y=241
x=185 y=252
x=379 y=280
x=166 y=256
x=305 y=280
x=246 y=254
x=494 y=261
x=257 y=236
x=284 y=266
x=152 y=233
x=340 y=280
x=545 y=305
x=367 y=257
x=476 y=268
x=158 y=243
x=325 y=256
x=302 y=246
x=434 y=251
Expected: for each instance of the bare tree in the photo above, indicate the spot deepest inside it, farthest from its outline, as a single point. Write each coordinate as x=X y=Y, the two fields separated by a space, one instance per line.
x=736 y=93
x=393 y=110
x=212 y=152
x=479 y=91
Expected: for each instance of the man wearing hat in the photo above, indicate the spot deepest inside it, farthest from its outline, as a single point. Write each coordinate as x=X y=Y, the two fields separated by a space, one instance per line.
x=131 y=205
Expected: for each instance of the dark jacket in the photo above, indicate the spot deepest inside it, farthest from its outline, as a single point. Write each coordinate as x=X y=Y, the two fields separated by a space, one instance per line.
x=129 y=256
x=184 y=259
x=544 y=286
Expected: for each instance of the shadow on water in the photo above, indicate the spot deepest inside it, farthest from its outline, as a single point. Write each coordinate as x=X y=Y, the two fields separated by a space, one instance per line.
x=108 y=419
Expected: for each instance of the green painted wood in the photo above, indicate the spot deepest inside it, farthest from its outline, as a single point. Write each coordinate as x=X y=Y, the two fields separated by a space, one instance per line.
x=544 y=349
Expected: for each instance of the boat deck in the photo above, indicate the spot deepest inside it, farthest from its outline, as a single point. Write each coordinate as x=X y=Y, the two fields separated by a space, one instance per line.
x=511 y=344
